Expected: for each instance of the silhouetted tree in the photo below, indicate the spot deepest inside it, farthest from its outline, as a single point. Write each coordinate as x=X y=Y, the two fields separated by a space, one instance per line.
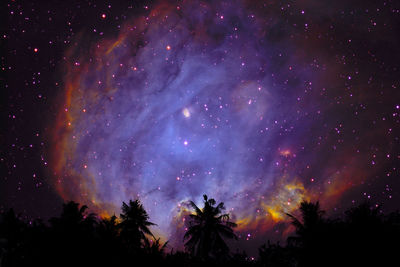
x=154 y=251
x=365 y=237
x=311 y=233
x=276 y=255
x=109 y=240
x=311 y=220
x=368 y=235
x=134 y=224
x=207 y=229
x=73 y=216
x=72 y=236
x=179 y=259
x=240 y=259
x=109 y=229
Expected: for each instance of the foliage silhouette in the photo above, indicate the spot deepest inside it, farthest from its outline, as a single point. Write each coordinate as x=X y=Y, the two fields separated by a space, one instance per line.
x=134 y=224
x=359 y=240
x=276 y=255
x=207 y=230
x=307 y=229
x=363 y=237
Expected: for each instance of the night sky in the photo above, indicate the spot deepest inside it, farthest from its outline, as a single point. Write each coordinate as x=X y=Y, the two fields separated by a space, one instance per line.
x=259 y=104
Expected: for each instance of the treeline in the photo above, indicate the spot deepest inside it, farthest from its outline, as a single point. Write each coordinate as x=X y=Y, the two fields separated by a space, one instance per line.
x=364 y=237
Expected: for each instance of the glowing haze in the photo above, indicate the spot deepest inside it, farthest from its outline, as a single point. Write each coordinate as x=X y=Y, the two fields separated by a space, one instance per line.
x=211 y=98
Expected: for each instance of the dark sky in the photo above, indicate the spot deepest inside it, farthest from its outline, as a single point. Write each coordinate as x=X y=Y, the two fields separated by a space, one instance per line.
x=31 y=81
x=259 y=104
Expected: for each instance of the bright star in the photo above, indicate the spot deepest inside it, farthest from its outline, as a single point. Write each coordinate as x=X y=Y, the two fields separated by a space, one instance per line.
x=186 y=113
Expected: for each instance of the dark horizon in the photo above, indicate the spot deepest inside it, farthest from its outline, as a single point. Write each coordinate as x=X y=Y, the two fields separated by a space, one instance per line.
x=365 y=236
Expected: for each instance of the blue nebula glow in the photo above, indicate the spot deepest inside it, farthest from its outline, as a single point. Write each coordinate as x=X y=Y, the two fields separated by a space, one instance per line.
x=207 y=98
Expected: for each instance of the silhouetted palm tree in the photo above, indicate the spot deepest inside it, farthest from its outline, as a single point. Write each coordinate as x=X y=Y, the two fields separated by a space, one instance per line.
x=207 y=229
x=108 y=228
x=155 y=251
x=74 y=216
x=155 y=247
x=135 y=224
x=73 y=234
x=306 y=229
x=312 y=232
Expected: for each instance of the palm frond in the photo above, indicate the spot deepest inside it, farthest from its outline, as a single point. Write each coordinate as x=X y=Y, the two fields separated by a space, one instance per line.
x=208 y=228
x=295 y=222
x=196 y=209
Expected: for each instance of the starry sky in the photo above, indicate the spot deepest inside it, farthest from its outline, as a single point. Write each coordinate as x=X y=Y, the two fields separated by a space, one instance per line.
x=259 y=104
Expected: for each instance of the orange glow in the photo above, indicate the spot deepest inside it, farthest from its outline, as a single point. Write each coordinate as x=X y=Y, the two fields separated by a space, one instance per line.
x=282 y=197
x=285 y=153
x=115 y=44
x=289 y=193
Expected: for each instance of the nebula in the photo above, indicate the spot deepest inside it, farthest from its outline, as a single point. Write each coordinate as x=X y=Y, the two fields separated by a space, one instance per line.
x=217 y=98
